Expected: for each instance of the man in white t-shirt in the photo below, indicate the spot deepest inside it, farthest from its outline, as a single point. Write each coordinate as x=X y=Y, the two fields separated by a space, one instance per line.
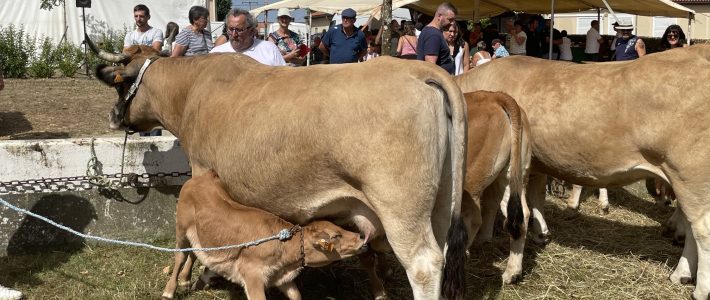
x=518 y=39
x=144 y=33
x=241 y=27
x=594 y=39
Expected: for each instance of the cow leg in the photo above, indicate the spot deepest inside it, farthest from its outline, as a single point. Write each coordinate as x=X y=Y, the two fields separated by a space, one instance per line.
x=603 y=201
x=688 y=263
x=535 y=195
x=701 y=232
x=369 y=262
x=573 y=200
x=290 y=290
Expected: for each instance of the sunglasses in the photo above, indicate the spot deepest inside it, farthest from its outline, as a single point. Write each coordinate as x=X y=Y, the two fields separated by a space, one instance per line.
x=348 y=18
x=672 y=35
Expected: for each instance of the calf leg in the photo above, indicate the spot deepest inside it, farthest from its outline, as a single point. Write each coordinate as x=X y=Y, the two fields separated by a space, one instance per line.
x=254 y=288
x=603 y=201
x=514 y=269
x=290 y=290
x=369 y=262
x=186 y=272
x=675 y=227
x=573 y=200
x=180 y=258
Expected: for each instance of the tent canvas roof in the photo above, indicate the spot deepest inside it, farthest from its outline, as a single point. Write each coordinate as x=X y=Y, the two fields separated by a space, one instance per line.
x=492 y=7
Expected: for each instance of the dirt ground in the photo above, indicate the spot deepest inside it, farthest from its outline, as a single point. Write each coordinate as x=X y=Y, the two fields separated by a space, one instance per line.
x=55 y=108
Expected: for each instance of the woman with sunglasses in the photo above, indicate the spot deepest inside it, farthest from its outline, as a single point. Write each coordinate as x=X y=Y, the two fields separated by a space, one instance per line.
x=673 y=38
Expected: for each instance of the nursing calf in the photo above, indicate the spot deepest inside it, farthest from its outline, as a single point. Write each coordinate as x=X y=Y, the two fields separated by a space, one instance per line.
x=208 y=217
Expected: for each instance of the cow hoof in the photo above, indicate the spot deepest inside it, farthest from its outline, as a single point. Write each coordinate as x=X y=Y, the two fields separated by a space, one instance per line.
x=540 y=239
x=681 y=279
x=166 y=297
x=604 y=210
x=512 y=279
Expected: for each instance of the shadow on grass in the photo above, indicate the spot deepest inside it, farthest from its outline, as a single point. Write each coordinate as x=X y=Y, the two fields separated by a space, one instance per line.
x=35 y=238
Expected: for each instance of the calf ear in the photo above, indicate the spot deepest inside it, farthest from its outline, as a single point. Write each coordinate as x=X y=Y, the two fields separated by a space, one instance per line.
x=111 y=76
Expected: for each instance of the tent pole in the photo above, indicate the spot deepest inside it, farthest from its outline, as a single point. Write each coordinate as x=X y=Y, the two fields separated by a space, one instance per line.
x=690 y=28
x=552 y=26
x=310 y=32
x=476 y=12
x=386 y=19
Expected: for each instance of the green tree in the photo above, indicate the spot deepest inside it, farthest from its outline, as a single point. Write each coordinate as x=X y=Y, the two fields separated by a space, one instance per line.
x=222 y=7
x=49 y=4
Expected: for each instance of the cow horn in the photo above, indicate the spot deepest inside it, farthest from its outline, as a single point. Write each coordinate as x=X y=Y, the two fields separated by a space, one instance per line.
x=107 y=56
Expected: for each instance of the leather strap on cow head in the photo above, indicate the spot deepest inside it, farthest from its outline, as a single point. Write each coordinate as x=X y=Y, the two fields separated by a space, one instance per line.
x=122 y=106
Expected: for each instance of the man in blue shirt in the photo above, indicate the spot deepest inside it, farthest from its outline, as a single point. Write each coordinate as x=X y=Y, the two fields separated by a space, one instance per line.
x=344 y=43
x=431 y=45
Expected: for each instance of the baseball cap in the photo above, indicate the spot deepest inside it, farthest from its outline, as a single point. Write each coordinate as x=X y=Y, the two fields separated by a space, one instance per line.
x=348 y=12
x=284 y=12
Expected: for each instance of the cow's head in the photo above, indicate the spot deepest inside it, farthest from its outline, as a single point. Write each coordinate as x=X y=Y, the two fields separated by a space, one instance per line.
x=325 y=242
x=121 y=78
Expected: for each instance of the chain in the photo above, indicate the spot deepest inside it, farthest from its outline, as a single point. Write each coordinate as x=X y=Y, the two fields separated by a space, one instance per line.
x=94 y=178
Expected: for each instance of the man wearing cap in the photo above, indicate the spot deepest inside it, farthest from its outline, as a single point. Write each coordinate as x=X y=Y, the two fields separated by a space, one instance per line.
x=629 y=46
x=241 y=28
x=344 y=43
x=431 y=45
x=288 y=41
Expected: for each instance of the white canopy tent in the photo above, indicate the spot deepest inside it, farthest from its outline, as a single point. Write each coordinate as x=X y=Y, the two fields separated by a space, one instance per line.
x=65 y=22
x=487 y=8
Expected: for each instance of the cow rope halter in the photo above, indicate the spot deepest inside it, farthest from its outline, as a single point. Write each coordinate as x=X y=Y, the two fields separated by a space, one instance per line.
x=126 y=100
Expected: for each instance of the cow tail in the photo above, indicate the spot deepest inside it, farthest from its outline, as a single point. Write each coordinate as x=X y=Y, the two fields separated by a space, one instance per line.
x=454 y=277
x=514 y=221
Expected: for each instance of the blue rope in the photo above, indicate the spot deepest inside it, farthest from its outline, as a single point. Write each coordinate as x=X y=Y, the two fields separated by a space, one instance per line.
x=283 y=235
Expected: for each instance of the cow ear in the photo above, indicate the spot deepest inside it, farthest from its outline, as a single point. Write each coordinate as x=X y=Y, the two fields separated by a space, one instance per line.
x=110 y=75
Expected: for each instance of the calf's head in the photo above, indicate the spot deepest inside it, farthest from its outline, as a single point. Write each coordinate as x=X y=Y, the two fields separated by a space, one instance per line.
x=121 y=77
x=325 y=242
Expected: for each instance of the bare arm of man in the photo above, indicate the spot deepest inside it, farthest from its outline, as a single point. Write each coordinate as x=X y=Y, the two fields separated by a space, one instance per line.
x=179 y=50
x=323 y=49
x=430 y=58
x=157 y=45
x=220 y=40
x=640 y=47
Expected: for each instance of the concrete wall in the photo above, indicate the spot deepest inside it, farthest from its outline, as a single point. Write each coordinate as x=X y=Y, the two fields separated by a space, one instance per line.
x=48 y=177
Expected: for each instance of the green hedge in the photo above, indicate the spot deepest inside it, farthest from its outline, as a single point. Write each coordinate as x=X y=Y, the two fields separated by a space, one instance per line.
x=22 y=55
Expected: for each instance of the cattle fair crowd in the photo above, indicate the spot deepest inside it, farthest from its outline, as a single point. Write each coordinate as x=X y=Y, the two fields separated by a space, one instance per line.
x=438 y=39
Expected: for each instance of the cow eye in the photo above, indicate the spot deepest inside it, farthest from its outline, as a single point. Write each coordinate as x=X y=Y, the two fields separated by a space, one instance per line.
x=336 y=236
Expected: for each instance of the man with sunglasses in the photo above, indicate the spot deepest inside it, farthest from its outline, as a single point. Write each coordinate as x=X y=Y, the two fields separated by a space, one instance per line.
x=241 y=28
x=431 y=45
x=629 y=46
x=344 y=43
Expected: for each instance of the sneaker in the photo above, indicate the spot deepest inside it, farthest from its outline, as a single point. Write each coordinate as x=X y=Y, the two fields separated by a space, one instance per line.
x=9 y=294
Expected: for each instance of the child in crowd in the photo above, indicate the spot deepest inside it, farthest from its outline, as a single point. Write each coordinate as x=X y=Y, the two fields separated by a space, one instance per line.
x=371 y=51
x=500 y=50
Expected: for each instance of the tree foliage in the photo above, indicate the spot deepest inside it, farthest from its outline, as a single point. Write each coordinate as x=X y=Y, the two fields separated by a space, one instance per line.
x=49 y=4
x=222 y=7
